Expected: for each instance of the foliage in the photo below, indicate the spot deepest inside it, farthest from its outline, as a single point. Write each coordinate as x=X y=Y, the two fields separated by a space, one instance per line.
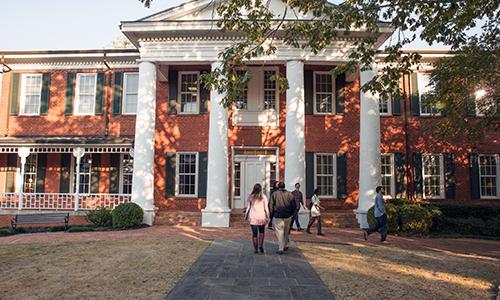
x=392 y=217
x=100 y=217
x=469 y=211
x=471 y=226
x=415 y=219
x=127 y=215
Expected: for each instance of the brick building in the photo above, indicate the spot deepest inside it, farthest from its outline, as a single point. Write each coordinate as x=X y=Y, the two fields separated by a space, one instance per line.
x=85 y=129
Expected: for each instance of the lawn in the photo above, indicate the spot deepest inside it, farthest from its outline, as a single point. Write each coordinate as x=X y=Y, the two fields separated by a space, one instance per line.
x=132 y=269
x=382 y=272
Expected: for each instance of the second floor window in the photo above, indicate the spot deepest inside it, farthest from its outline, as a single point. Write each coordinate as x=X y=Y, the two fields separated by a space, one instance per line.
x=385 y=105
x=242 y=101
x=424 y=89
x=85 y=94
x=323 y=93
x=31 y=94
x=433 y=177
x=130 y=92
x=189 y=92
x=269 y=89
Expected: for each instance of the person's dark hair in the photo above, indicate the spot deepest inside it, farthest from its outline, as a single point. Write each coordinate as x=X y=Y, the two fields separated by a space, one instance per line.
x=378 y=189
x=281 y=185
x=316 y=191
x=257 y=191
x=276 y=184
x=297 y=184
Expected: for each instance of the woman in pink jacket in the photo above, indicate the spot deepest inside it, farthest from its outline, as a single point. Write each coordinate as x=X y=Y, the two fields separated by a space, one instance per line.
x=257 y=214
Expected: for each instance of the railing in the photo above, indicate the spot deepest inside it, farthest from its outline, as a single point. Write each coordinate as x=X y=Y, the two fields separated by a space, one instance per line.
x=59 y=201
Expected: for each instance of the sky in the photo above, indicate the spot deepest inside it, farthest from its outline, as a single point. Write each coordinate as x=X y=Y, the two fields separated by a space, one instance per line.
x=78 y=24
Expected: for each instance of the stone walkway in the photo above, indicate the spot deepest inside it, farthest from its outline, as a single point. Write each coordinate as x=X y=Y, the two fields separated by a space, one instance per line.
x=230 y=270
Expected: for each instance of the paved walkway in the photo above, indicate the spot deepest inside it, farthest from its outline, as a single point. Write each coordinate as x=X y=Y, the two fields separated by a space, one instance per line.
x=230 y=270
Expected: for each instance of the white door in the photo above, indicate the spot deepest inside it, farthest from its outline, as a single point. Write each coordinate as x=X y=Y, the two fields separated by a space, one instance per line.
x=254 y=172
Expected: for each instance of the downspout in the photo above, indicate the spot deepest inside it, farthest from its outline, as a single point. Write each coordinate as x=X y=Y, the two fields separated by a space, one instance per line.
x=107 y=84
x=408 y=165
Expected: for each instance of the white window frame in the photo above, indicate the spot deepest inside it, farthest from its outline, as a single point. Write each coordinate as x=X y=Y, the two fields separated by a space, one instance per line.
x=179 y=93
x=334 y=161
x=23 y=95
x=441 y=177
x=77 y=94
x=72 y=185
x=389 y=106
x=497 y=159
x=177 y=181
x=425 y=114
x=393 y=173
x=480 y=113
x=315 y=93
x=35 y=155
x=276 y=90
x=124 y=92
x=122 y=174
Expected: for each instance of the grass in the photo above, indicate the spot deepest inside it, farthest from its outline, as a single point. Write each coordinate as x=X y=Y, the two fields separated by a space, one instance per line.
x=131 y=269
x=380 y=272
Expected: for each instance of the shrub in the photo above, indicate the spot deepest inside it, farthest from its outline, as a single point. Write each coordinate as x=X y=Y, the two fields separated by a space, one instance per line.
x=468 y=211
x=392 y=217
x=467 y=226
x=100 y=217
x=127 y=215
x=415 y=219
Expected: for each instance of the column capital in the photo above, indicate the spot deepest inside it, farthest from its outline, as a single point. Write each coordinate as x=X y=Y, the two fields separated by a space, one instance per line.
x=141 y=60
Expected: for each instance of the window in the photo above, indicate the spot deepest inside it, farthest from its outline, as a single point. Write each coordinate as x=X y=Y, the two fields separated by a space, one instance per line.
x=29 y=180
x=31 y=94
x=187 y=169
x=269 y=89
x=424 y=89
x=485 y=103
x=433 y=178
x=85 y=94
x=85 y=174
x=130 y=91
x=385 y=107
x=387 y=173
x=237 y=179
x=324 y=168
x=488 y=176
x=242 y=101
x=127 y=168
x=189 y=92
x=323 y=92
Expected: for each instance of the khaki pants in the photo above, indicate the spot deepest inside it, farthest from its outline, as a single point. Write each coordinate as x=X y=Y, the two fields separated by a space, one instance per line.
x=281 y=228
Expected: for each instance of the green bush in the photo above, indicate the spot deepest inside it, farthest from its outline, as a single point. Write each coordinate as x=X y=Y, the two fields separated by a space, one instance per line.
x=100 y=217
x=415 y=219
x=467 y=226
x=392 y=217
x=127 y=215
x=469 y=211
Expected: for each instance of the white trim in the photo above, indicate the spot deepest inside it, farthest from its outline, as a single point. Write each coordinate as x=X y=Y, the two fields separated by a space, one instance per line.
x=315 y=92
x=442 y=194
x=423 y=114
x=121 y=174
x=334 y=175
x=124 y=92
x=179 y=81
x=389 y=106
x=77 y=94
x=196 y=175
x=497 y=160
x=393 y=172
x=22 y=101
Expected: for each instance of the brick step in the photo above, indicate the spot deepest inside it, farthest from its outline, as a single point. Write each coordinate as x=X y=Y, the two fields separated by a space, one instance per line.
x=175 y=217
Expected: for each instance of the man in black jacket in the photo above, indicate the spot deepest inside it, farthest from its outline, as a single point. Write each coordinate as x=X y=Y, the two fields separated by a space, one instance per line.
x=282 y=206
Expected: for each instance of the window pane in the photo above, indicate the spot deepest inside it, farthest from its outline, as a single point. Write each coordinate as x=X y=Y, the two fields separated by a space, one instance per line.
x=269 y=90
x=86 y=93
x=488 y=175
x=32 y=93
x=187 y=174
x=131 y=92
x=432 y=175
x=324 y=93
x=189 y=92
x=325 y=174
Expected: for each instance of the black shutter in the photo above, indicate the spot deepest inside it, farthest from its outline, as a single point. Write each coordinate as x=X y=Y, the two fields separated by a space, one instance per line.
x=117 y=93
x=114 y=173
x=41 y=168
x=70 y=93
x=64 y=182
x=449 y=175
x=170 y=174
x=10 y=186
x=418 y=186
x=399 y=165
x=341 y=176
x=396 y=105
x=340 y=94
x=414 y=97
x=173 y=77
x=99 y=97
x=204 y=97
x=309 y=92
x=309 y=174
x=45 y=98
x=202 y=174
x=474 y=176
x=14 y=94
x=95 y=174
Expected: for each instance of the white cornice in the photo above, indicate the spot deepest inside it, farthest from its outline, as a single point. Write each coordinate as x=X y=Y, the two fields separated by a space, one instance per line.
x=33 y=66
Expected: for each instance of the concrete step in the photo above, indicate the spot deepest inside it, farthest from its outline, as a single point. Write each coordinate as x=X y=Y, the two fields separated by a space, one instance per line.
x=175 y=217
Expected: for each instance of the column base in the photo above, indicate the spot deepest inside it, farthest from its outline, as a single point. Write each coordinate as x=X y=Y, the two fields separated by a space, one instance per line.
x=362 y=217
x=304 y=218
x=149 y=217
x=215 y=217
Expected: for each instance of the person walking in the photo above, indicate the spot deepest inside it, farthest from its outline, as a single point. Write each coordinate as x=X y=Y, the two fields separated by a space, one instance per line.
x=282 y=206
x=315 y=213
x=380 y=215
x=257 y=214
x=299 y=201
x=274 y=188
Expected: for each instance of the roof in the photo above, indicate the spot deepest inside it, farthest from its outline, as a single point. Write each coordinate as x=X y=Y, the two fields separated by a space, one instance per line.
x=66 y=140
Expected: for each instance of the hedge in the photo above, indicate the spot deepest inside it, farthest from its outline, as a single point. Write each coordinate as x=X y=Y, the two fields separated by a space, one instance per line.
x=127 y=215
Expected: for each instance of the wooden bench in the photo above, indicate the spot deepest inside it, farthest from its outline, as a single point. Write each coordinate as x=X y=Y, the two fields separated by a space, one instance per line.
x=48 y=218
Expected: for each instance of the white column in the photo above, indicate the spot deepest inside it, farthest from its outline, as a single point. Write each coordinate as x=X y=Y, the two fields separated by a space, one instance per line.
x=143 y=174
x=295 y=152
x=369 y=149
x=217 y=212
x=23 y=153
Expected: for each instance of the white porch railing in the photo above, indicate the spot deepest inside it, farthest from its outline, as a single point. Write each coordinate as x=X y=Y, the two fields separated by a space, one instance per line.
x=58 y=201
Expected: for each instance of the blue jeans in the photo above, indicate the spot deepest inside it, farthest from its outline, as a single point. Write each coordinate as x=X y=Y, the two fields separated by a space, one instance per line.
x=381 y=227
x=295 y=218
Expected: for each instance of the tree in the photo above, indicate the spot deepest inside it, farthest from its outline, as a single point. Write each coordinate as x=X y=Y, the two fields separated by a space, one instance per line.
x=433 y=21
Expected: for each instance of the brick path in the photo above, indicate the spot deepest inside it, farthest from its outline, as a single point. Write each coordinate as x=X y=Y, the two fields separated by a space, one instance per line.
x=336 y=235
x=230 y=270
